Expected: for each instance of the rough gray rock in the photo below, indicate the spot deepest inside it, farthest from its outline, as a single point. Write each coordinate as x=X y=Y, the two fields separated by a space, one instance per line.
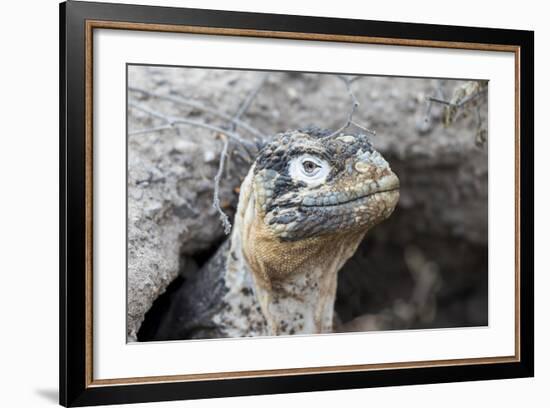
x=170 y=187
x=170 y=175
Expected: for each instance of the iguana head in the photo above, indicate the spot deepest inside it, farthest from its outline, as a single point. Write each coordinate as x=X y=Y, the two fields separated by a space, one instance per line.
x=307 y=184
x=304 y=207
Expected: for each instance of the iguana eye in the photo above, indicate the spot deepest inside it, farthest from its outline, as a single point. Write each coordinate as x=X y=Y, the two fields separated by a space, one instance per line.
x=310 y=169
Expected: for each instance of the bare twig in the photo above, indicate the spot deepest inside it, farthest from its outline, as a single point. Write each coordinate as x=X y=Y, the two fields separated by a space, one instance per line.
x=357 y=125
x=458 y=104
x=441 y=101
x=354 y=105
x=462 y=96
x=426 y=126
x=173 y=121
x=216 y=199
x=200 y=106
x=151 y=130
x=248 y=101
x=428 y=111
x=152 y=113
x=468 y=97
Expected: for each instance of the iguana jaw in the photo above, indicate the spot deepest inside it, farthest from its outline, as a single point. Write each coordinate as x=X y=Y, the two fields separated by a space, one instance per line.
x=355 y=194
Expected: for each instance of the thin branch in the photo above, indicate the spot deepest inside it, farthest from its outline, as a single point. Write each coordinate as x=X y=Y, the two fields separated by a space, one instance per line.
x=372 y=132
x=200 y=106
x=429 y=105
x=462 y=95
x=354 y=106
x=460 y=103
x=152 y=113
x=216 y=199
x=470 y=98
x=428 y=111
x=172 y=121
x=247 y=159
x=249 y=99
x=150 y=130
x=441 y=101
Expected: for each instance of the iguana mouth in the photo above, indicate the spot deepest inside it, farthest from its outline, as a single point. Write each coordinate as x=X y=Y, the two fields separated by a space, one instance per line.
x=355 y=200
x=366 y=190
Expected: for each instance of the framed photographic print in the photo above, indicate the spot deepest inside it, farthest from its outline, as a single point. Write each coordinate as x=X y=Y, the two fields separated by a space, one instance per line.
x=256 y=203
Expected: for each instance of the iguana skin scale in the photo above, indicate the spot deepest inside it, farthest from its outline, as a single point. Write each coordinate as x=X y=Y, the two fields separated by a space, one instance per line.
x=304 y=207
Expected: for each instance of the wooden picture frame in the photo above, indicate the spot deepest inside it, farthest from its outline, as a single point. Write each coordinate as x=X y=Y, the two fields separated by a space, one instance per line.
x=78 y=20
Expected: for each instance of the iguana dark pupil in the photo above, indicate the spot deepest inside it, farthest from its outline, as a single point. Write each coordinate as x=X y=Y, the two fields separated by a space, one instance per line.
x=309 y=166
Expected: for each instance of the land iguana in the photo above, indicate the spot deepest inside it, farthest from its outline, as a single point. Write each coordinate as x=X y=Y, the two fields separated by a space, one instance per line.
x=304 y=207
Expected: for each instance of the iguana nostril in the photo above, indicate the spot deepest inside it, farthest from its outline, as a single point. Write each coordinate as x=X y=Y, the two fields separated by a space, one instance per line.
x=363 y=167
x=388 y=183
